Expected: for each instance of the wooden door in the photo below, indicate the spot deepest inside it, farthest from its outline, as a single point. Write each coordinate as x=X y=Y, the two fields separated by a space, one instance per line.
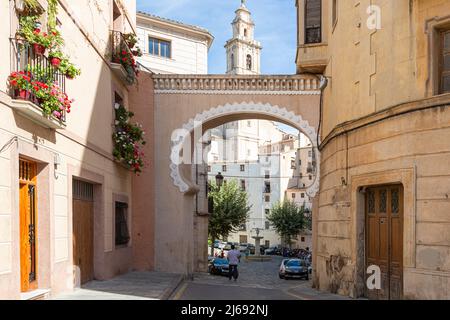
x=28 y=225
x=384 y=239
x=83 y=230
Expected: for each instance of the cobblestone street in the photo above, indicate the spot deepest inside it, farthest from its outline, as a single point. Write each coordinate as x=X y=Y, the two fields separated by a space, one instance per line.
x=257 y=281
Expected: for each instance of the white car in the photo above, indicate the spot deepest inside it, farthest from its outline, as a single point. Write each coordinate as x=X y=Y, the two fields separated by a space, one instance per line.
x=282 y=270
x=222 y=245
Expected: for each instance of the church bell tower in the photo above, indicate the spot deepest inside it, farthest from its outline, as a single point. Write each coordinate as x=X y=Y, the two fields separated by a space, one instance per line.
x=243 y=51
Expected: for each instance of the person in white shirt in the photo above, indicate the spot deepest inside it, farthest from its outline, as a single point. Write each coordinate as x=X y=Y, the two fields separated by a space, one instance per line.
x=234 y=257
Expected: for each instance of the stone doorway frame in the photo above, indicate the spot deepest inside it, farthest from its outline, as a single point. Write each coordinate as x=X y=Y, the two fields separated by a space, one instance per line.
x=407 y=178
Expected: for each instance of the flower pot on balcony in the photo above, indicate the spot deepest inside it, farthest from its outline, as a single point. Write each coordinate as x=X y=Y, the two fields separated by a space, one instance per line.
x=39 y=49
x=22 y=94
x=55 y=62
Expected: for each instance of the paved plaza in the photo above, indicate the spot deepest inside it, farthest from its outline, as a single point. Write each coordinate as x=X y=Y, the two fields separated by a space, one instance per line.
x=131 y=286
x=257 y=281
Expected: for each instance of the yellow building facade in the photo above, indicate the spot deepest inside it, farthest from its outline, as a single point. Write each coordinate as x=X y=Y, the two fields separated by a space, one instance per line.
x=385 y=151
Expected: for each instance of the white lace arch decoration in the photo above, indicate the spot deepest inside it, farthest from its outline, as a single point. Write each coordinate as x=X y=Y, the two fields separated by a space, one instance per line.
x=282 y=114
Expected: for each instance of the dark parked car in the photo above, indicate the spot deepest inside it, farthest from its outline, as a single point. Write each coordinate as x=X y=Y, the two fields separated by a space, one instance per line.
x=218 y=266
x=262 y=249
x=271 y=251
x=243 y=247
x=295 y=268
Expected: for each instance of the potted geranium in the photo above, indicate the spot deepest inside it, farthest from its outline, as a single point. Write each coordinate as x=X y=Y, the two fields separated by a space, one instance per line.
x=72 y=72
x=56 y=56
x=126 y=59
x=130 y=39
x=20 y=82
x=52 y=99
x=41 y=41
x=137 y=52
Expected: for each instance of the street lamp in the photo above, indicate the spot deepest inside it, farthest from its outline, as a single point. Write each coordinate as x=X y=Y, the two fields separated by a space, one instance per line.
x=219 y=179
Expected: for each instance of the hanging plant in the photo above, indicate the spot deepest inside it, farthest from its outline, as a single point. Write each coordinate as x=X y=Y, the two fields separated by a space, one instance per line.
x=56 y=56
x=128 y=140
x=52 y=12
x=31 y=31
x=68 y=69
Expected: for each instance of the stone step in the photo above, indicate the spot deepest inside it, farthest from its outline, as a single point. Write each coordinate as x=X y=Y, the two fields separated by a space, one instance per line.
x=39 y=294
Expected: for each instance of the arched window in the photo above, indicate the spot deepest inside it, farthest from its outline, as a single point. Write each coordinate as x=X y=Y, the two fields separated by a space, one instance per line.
x=249 y=62
x=245 y=32
x=232 y=61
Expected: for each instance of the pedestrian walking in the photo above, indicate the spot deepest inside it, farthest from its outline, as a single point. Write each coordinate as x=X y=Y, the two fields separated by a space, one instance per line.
x=234 y=258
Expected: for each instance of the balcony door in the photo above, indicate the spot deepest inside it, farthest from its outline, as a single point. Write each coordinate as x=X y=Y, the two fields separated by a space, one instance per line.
x=28 y=225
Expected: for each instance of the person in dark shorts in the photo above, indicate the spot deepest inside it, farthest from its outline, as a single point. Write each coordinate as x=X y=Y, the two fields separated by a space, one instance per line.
x=234 y=257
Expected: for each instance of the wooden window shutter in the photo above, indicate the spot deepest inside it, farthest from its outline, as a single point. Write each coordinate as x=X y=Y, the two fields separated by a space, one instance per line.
x=313 y=21
x=445 y=62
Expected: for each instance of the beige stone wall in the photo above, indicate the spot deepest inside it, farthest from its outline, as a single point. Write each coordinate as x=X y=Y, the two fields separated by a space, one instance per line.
x=377 y=69
x=391 y=151
x=84 y=147
x=382 y=125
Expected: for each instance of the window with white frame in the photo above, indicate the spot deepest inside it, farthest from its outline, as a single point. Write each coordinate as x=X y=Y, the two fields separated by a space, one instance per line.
x=158 y=47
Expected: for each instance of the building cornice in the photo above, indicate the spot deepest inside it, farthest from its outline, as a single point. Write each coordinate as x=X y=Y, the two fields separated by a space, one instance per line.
x=236 y=84
x=252 y=43
x=390 y=112
x=142 y=17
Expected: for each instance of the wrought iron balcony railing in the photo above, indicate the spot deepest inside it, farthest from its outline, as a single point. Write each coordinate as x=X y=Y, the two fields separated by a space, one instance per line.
x=39 y=68
x=121 y=54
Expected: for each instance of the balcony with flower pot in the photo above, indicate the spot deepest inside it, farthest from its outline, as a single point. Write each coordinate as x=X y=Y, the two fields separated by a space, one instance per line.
x=37 y=82
x=37 y=86
x=123 y=62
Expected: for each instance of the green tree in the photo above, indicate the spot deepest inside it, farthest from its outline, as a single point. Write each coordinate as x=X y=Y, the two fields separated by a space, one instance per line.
x=230 y=210
x=288 y=219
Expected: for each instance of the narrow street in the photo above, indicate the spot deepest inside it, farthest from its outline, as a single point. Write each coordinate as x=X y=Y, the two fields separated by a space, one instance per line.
x=257 y=281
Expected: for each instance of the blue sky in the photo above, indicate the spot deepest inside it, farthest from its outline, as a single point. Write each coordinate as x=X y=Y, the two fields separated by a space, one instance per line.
x=275 y=27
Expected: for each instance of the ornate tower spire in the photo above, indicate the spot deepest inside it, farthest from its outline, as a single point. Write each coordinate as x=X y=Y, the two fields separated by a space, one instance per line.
x=243 y=52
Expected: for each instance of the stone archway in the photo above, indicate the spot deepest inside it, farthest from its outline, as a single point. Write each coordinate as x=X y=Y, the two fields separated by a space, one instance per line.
x=180 y=101
x=245 y=108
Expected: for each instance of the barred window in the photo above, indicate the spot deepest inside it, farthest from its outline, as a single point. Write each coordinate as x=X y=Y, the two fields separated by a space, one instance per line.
x=122 y=233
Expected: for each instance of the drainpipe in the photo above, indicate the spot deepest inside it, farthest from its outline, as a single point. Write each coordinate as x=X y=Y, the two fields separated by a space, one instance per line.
x=322 y=86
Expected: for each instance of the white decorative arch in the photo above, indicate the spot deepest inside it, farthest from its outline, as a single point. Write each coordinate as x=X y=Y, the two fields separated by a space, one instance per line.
x=282 y=114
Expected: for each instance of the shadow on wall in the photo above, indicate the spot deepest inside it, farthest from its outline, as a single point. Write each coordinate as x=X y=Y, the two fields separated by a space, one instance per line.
x=110 y=259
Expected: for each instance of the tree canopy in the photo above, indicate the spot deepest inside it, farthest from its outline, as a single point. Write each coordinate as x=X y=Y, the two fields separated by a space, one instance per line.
x=288 y=219
x=230 y=209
